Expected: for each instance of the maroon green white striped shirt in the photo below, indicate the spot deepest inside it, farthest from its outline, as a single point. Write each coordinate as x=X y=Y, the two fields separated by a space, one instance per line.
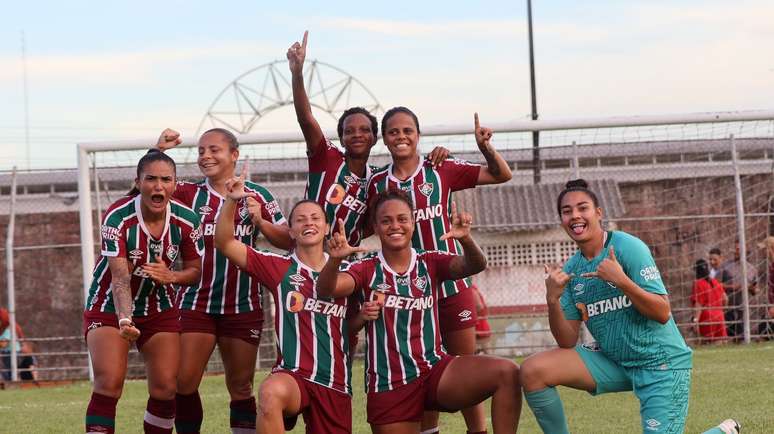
x=328 y=171
x=404 y=343
x=312 y=338
x=224 y=288
x=430 y=190
x=125 y=235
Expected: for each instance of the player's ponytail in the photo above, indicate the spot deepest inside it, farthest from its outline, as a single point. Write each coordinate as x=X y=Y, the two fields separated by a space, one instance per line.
x=152 y=156
x=576 y=185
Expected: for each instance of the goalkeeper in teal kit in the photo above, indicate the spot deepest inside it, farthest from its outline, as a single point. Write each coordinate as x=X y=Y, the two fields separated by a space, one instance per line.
x=612 y=284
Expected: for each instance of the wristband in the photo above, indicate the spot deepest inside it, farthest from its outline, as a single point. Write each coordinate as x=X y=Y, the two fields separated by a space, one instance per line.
x=125 y=322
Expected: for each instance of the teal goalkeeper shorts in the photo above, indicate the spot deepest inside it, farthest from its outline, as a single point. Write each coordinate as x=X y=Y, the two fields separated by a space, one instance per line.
x=663 y=395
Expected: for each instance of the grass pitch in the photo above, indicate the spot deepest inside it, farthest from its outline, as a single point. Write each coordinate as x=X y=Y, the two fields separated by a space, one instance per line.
x=728 y=381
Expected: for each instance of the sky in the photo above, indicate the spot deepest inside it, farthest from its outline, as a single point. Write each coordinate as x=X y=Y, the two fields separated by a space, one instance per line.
x=126 y=70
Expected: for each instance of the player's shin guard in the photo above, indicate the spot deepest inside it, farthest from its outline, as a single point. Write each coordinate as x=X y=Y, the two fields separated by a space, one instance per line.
x=243 y=414
x=189 y=413
x=548 y=410
x=159 y=416
x=101 y=414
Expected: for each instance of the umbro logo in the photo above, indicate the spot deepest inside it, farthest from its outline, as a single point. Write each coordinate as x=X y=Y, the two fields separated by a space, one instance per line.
x=255 y=333
x=297 y=279
x=465 y=315
x=94 y=325
x=652 y=424
x=135 y=254
x=205 y=210
x=579 y=289
x=383 y=286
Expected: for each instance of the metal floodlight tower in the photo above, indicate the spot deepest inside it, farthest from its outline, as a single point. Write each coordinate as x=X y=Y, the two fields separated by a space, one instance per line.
x=261 y=90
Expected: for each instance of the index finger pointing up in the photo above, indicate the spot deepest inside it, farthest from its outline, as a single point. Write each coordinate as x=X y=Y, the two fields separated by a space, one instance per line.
x=303 y=42
x=475 y=121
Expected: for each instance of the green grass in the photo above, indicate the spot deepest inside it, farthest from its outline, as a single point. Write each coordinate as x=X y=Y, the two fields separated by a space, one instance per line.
x=730 y=381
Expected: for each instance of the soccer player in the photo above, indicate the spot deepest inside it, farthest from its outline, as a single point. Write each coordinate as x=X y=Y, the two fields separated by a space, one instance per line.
x=613 y=285
x=407 y=369
x=430 y=189
x=224 y=308
x=337 y=180
x=312 y=374
x=131 y=298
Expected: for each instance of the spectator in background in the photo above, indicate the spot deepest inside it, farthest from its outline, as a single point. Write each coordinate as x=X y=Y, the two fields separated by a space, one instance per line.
x=483 y=331
x=731 y=278
x=766 y=328
x=708 y=299
x=26 y=362
x=715 y=263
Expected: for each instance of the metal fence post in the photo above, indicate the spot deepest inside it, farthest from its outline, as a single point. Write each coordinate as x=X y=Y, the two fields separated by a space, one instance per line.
x=742 y=241
x=10 y=279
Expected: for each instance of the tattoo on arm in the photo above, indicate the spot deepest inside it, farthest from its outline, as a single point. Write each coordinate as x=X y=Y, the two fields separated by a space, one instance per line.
x=122 y=292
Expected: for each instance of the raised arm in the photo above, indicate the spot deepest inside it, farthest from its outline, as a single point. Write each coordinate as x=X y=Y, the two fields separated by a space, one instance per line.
x=225 y=242
x=168 y=139
x=652 y=306
x=122 y=297
x=312 y=132
x=331 y=282
x=497 y=170
x=472 y=260
x=565 y=330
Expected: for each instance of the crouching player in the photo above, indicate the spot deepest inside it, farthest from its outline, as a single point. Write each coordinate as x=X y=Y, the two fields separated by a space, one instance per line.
x=312 y=375
x=407 y=370
x=613 y=285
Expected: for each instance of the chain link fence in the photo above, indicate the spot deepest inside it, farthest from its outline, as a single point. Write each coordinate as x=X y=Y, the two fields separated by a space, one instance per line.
x=675 y=183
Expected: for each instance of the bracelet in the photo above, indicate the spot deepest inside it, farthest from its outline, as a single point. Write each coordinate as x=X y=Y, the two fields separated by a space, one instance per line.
x=125 y=322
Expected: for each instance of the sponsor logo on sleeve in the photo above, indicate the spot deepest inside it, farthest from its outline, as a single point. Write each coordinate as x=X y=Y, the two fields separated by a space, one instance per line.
x=196 y=234
x=272 y=207
x=650 y=273
x=109 y=233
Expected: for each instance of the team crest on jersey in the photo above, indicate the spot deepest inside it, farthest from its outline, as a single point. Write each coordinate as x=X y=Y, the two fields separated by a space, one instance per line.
x=205 y=210
x=295 y=301
x=420 y=282
x=172 y=252
x=297 y=279
x=426 y=189
x=135 y=254
x=243 y=211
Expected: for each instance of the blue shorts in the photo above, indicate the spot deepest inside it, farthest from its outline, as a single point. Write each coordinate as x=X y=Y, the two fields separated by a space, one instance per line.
x=663 y=395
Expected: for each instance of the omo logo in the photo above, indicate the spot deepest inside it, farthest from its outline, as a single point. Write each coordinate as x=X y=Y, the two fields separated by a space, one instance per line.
x=294 y=302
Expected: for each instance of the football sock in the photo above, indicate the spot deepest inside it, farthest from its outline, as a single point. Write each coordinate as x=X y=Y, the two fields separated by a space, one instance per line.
x=101 y=414
x=243 y=416
x=189 y=413
x=548 y=410
x=159 y=416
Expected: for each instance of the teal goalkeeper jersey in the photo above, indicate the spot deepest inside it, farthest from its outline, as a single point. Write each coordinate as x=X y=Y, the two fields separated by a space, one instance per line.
x=624 y=335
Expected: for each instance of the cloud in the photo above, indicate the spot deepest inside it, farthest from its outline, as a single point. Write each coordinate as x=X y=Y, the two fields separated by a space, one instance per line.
x=116 y=68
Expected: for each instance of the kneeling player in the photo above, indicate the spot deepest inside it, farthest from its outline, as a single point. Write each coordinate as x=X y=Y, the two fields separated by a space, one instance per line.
x=408 y=371
x=312 y=374
x=613 y=285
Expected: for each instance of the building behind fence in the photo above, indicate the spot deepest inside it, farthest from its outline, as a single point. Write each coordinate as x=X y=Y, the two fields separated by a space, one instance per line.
x=671 y=185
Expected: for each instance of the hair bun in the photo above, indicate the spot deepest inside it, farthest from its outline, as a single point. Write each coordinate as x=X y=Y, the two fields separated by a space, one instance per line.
x=153 y=151
x=576 y=183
